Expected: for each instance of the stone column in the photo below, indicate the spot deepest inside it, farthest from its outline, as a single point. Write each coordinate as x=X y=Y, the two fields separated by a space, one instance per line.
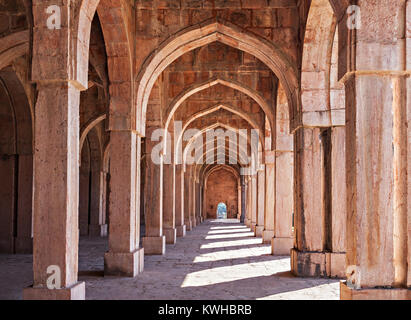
x=377 y=157
x=169 y=218
x=179 y=200
x=8 y=172
x=55 y=200
x=260 y=203
x=192 y=195
x=97 y=226
x=307 y=256
x=239 y=201
x=283 y=240
x=186 y=195
x=60 y=64
x=253 y=202
x=154 y=242
x=24 y=240
x=125 y=257
x=268 y=232
x=243 y=199
x=248 y=202
x=198 y=202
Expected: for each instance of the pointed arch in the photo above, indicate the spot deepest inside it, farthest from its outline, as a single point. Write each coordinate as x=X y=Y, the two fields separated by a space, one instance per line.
x=202 y=34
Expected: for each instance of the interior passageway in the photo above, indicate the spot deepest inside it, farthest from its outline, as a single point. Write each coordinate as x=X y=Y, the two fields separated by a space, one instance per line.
x=220 y=259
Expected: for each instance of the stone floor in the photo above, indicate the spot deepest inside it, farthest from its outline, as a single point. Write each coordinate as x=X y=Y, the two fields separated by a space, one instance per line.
x=218 y=260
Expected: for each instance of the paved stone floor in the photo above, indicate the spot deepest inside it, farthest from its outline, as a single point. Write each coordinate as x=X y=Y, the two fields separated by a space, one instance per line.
x=218 y=260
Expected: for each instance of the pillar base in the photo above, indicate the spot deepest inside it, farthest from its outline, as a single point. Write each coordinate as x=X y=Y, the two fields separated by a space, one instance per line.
x=75 y=292
x=281 y=246
x=247 y=222
x=259 y=231
x=124 y=264
x=267 y=236
x=181 y=231
x=189 y=225
x=253 y=227
x=317 y=264
x=347 y=293
x=171 y=235
x=24 y=245
x=97 y=230
x=193 y=223
x=154 y=245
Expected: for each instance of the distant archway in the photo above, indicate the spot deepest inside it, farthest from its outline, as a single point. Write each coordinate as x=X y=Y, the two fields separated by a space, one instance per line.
x=221 y=211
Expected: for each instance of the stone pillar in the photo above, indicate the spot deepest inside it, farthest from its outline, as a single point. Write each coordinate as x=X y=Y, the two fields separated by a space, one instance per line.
x=8 y=172
x=239 y=201
x=198 y=202
x=307 y=256
x=260 y=203
x=248 y=202
x=97 y=227
x=125 y=257
x=154 y=242
x=377 y=157
x=376 y=187
x=243 y=199
x=169 y=219
x=253 y=202
x=179 y=200
x=186 y=202
x=283 y=240
x=84 y=190
x=268 y=232
x=24 y=240
x=336 y=257
x=55 y=200
x=204 y=202
x=192 y=195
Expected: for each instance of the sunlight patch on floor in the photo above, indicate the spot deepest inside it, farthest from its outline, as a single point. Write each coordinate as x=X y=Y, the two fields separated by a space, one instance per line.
x=232 y=243
x=232 y=273
x=308 y=293
x=231 y=235
x=233 y=254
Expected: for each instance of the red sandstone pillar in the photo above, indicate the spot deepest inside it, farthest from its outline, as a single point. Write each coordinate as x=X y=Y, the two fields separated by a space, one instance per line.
x=307 y=258
x=169 y=218
x=253 y=202
x=55 y=201
x=268 y=232
x=283 y=240
x=179 y=200
x=154 y=242
x=260 y=203
x=192 y=195
x=186 y=196
x=24 y=240
x=60 y=64
x=125 y=257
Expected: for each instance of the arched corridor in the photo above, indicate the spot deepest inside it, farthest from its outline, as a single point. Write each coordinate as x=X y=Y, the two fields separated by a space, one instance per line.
x=221 y=149
x=220 y=260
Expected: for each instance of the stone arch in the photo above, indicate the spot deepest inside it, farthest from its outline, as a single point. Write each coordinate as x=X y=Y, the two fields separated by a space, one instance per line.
x=229 y=197
x=217 y=107
x=217 y=125
x=16 y=165
x=205 y=33
x=219 y=81
x=89 y=126
x=13 y=46
x=315 y=76
x=116 y=31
